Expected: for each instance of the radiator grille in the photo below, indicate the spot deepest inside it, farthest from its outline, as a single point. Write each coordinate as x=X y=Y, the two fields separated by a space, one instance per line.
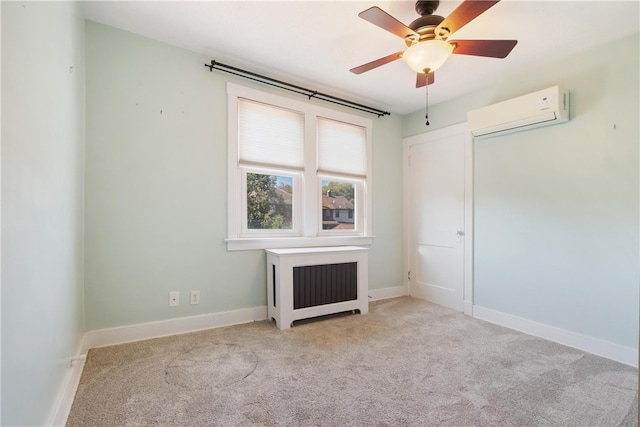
x=273 y=282
x=315 y=285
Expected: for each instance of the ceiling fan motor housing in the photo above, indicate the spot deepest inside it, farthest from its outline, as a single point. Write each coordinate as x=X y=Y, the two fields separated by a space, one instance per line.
x=425 y=27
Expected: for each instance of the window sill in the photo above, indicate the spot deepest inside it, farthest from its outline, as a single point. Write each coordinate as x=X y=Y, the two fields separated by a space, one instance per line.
x=247 y=244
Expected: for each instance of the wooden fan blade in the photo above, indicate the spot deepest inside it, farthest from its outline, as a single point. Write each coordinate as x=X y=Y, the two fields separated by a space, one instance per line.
x=462 y=15
x=423 y=79
x=490 y=48
x=382 y=19
x=375 y=64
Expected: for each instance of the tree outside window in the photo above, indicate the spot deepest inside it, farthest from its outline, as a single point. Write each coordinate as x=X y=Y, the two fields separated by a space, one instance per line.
x=269 y=202
x=337 y=188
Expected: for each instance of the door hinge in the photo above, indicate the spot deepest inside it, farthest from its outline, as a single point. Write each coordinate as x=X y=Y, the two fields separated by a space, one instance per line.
x=408 y=275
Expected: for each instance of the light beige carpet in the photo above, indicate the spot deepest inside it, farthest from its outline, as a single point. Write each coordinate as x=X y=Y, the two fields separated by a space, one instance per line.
x=407 y=362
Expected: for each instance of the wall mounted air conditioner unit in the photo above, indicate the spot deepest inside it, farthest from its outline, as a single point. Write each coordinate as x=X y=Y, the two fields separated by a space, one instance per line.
x=542 y=108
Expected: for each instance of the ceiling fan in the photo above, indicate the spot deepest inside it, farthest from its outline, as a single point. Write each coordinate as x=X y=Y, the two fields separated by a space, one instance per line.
x=426 y=38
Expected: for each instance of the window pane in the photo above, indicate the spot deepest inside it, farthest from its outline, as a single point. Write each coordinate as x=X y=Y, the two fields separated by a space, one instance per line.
x=341 y=148
x=270 y=135
x=338 y=205
x=269 y=202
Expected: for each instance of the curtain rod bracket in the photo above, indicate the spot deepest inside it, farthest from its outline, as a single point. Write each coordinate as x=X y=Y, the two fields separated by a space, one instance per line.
x=293 y=88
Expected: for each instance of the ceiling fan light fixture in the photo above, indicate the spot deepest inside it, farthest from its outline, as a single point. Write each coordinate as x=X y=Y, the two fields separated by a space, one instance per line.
x=427 y=55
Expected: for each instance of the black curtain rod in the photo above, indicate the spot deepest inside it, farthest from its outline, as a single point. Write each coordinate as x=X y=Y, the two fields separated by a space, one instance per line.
x=293 y=88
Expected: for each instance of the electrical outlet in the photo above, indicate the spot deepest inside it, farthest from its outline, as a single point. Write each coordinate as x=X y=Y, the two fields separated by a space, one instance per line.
x=195 y=297
x=174 y=299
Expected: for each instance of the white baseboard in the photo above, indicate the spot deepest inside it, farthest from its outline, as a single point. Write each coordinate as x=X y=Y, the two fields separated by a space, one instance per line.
x=617 y=352
x=143 y=331
x=67 y=393
x=386 y=293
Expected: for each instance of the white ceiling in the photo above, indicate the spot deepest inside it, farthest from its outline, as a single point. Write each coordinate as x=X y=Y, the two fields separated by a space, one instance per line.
x=315 y=43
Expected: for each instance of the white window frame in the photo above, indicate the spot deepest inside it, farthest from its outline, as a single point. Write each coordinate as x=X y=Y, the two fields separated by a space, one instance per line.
x=308 y=214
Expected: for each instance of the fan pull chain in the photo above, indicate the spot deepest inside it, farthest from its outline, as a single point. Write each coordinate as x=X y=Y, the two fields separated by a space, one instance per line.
x=426 y=116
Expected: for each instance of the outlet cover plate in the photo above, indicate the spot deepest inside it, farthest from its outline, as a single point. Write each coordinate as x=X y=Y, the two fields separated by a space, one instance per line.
x=195 y=297
x=174 y=299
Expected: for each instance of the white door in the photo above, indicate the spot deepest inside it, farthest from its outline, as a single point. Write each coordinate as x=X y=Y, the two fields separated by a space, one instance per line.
x=435 y=200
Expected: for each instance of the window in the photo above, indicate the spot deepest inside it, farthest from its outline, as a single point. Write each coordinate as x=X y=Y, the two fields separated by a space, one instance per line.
x=299 y=174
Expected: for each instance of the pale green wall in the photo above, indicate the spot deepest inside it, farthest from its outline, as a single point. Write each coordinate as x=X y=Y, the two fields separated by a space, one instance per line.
x=156 y=184
x=556 y=209
x=42 y=203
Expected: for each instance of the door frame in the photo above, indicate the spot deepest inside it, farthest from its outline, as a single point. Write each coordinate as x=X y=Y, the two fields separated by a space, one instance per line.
x=407 y=143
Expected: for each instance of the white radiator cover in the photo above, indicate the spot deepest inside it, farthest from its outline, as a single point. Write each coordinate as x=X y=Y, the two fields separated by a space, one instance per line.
x=280 y=282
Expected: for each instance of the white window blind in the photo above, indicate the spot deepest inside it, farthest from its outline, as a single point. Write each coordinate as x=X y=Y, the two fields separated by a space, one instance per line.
x=270 y=135
x=341 y=148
